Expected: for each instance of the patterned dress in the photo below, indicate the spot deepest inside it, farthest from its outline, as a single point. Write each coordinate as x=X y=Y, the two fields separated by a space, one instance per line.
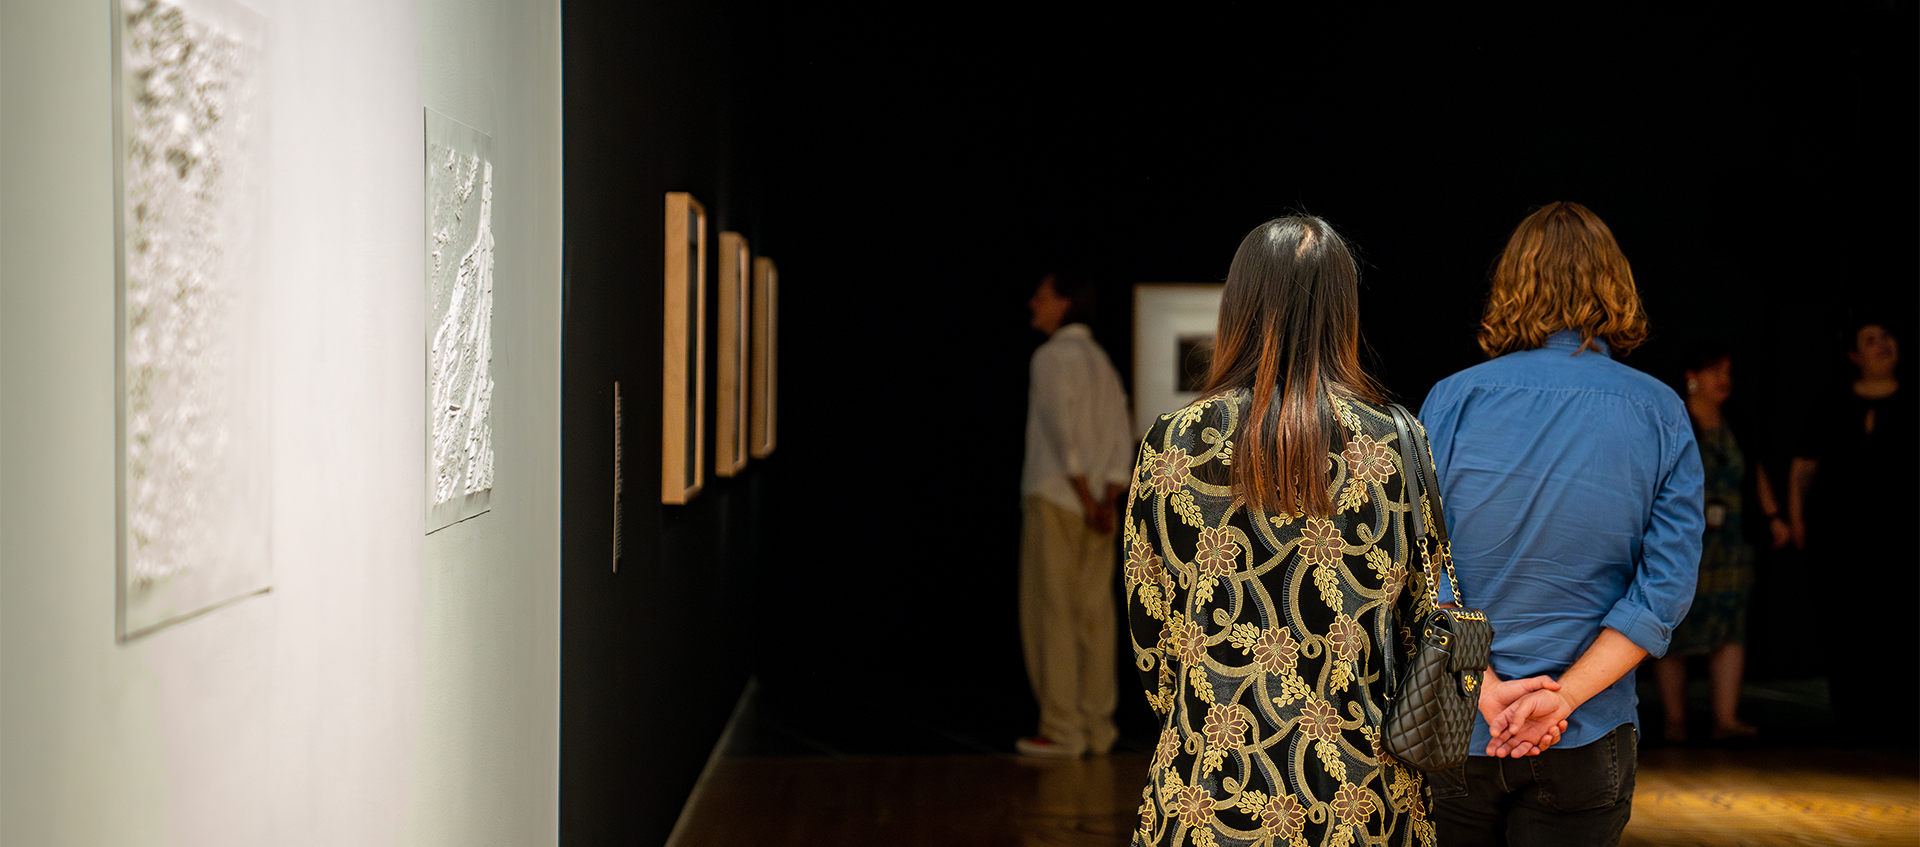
x=1719 y=612
x=1259 y=639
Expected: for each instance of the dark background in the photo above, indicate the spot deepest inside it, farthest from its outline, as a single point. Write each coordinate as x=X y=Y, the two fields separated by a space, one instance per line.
x=915 y=174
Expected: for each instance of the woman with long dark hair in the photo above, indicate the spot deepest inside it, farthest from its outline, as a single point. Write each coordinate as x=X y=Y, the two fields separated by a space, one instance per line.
x=1267 y=566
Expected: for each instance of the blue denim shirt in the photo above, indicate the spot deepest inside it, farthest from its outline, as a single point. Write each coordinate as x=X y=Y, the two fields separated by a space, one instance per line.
x=1573 y=494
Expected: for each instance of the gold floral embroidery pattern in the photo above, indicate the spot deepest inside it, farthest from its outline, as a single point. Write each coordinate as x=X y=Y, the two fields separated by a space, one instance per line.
x=1368 y=460
x=1255 y=636
x=1224 y=730
x=1276 y=651
x=1168 y=745
x=1214 y=557
x=1168 y=471
x=1368 y=463
x=1187 y=509
x=1283 y=817
x=1320 y=542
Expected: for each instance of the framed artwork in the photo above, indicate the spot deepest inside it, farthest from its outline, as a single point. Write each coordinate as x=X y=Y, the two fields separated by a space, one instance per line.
x=459 y=354
x=730 y=430
x=683 y=384
x=193 y=398
x=1173 y=327
x=766 y=355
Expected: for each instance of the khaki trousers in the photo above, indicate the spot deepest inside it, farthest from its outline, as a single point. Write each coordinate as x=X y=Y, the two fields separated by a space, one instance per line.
x=1067 y=625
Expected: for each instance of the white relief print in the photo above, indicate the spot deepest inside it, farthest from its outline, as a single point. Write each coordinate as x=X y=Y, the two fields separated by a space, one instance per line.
x=460 y=347
x=193 y=391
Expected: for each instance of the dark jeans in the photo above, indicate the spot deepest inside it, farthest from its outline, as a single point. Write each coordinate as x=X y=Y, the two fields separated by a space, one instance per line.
x=1572 y=796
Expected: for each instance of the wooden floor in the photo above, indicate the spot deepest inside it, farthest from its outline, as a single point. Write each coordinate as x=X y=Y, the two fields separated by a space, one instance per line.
x=1684 y=797
x=1690 y=797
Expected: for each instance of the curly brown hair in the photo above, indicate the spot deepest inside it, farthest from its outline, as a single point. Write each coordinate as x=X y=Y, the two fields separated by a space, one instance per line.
x=1562 y=270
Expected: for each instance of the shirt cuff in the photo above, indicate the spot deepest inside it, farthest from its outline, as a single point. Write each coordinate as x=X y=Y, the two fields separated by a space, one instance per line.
x=1641 y=627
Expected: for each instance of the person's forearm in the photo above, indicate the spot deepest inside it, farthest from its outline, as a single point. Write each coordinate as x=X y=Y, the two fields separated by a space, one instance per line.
x=1607 y=659
x=1799 y=479
x=1769 y=505
x=1081 y=490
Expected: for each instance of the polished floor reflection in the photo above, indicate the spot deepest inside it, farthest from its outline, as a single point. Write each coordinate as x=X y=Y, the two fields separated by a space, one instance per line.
x=919 y=800
x=1686 y=798
x=1815 y=796
x=832 y=770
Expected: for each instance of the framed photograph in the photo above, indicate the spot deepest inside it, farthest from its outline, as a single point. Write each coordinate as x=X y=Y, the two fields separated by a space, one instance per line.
x=459 y=354
x=194 y=423
x=730 y=430
x=766 y=354
x=683 y=384
x=1173 y=327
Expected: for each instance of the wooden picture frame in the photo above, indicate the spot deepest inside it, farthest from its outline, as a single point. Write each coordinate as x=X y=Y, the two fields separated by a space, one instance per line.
x=730 y=424
x=1170 y=320
x=766 y=355
x=683 y=369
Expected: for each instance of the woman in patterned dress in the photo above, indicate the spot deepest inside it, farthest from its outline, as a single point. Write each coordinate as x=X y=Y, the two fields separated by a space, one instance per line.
x=1267 y=567
x=1716 y=623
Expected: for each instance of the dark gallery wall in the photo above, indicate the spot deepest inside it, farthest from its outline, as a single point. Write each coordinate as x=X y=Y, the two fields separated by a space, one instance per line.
x=915 y=182
x=654 y=656
x=1758 y=171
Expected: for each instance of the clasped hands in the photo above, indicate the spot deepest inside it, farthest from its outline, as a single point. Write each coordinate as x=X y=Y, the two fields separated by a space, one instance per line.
x=1525 y=716
x=1101 y=515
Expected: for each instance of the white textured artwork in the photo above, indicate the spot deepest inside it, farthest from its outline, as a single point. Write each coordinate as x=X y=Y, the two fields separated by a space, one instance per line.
x=460 y=321
x=194 y=413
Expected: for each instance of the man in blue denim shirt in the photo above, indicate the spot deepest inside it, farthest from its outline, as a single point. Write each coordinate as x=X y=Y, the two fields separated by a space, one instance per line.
x=1573 y=489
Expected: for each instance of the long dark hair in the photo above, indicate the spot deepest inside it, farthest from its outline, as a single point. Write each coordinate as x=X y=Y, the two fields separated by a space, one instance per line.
x=1290 y=333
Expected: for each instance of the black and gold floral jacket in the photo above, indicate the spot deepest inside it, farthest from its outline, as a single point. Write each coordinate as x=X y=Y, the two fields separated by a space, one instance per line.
x=1259 y=640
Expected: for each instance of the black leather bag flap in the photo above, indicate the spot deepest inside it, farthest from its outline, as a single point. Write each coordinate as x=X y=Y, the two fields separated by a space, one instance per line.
x=1471 y=637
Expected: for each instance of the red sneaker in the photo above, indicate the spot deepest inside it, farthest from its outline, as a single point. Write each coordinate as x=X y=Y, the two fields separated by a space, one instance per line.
x=1042 y=747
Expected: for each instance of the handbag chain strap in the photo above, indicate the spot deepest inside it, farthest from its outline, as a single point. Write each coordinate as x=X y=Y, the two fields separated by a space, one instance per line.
x=1413 y=448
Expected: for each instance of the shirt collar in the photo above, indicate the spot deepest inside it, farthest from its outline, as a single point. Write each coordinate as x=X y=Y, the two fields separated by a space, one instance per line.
x=1080 y=329
x=1568 y=339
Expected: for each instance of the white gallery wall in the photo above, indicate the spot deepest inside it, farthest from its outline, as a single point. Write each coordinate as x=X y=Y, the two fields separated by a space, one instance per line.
x=393 y=687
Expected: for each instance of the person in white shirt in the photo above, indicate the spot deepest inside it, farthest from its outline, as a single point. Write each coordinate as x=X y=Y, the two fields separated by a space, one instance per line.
x=1080 y=446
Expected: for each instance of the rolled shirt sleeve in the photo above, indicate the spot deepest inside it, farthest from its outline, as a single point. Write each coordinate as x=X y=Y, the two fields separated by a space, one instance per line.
x=1663 y=584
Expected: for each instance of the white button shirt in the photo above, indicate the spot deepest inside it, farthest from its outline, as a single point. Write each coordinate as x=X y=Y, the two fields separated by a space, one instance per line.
x=1077 y=421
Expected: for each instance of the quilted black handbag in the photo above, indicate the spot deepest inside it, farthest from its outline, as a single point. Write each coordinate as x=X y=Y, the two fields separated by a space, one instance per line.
x=1432 y=703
